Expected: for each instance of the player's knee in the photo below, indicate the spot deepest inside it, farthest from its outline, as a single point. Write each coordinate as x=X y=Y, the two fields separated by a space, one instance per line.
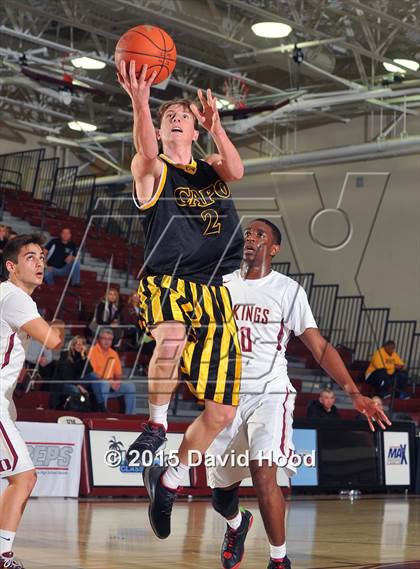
x=225 y=502
x=170 y=341
x=25 y=481
x=217 y=417
x=264 y=479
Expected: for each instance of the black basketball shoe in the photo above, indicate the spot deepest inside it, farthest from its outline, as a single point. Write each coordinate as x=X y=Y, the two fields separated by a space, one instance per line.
x=150 y=441
x=280 y=563
x=233 y=547
x=161 y=501
x=8 y=561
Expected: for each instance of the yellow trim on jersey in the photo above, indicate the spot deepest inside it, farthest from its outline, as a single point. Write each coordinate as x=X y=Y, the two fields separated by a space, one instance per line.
x=203 y=374
x=224 y=351
x=156 y=305
x=157 y=193
x=188 y=352
x=190 y=168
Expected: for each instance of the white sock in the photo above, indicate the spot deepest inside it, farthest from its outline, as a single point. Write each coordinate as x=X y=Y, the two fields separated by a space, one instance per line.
x=278 y=551
x=235 y=522
x=159 y=414
x=173 y=476
x=6 y=540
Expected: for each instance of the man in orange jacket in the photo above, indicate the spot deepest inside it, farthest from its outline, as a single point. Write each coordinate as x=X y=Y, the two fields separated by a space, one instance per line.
x=106 y=364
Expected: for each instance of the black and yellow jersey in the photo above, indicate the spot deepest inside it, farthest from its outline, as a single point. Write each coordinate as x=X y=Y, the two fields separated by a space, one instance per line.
x=191 y=226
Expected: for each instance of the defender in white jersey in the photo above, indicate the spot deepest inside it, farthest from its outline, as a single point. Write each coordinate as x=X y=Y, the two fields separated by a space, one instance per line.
x=19 y=319
x=268 y=307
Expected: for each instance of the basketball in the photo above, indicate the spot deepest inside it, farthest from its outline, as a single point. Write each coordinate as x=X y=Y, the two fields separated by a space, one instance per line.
x=147 y=45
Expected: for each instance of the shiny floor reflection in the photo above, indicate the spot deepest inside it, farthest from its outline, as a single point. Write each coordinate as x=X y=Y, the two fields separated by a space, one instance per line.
x=322 y=533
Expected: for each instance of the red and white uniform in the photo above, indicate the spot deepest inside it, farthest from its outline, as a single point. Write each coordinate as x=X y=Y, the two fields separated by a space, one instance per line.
x=16 y=309
x=266 y=311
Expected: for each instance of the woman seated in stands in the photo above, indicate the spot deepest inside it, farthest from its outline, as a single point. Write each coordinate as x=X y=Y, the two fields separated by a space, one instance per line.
x=107 y=313
x=75 y=375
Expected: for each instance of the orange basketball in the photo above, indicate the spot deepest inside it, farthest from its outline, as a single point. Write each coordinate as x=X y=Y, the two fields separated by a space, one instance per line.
x=147 y=45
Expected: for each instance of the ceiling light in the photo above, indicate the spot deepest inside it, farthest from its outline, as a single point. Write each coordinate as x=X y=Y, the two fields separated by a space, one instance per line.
x=81 y=126
x=223 y=104
x=271 y=30
x=87 y=63
x=409 y=63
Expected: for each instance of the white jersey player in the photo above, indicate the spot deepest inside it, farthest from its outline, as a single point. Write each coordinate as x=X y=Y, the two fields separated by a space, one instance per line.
x=23 y=258
x=268 y=307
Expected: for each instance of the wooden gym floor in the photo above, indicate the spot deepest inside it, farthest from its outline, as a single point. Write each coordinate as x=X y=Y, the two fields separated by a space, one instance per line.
x=322 y=533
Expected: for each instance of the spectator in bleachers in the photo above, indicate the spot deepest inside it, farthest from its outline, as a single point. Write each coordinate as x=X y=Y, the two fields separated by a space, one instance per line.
x=76 y=373
x=129 y=318
x=42 y=358
x=61 y=258
x=106 y=364
x=385 y=368
x=323 y=408
x=107 y=313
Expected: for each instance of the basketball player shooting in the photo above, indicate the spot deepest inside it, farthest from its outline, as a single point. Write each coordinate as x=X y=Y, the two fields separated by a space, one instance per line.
x=23 y=258
x=268 y=306
x=192 y=238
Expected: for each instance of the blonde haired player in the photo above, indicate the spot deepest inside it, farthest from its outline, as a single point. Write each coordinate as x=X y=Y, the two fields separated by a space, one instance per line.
x=19 y=319
x=268 y=306
x=192 y=238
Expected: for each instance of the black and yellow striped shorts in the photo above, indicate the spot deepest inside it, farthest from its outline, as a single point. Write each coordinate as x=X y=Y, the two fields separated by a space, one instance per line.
x=211 y=360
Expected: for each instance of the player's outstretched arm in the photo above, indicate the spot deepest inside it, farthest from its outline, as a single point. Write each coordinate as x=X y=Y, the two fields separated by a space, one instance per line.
x=50 y=336
x=138 y=89
x=228 y=163
x=330 y=361
x=145 y=166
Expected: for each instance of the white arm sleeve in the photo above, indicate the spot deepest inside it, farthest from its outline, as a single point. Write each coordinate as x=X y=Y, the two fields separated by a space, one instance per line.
x=297 y=312
x=19 y=309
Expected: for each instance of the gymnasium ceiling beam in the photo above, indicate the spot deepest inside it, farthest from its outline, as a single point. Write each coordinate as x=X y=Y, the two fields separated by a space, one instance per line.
x=384 y=16
x=37 y=108
x=194 y=63
x=68 y=50
x=271 y=16
x=183 y=24
x=75 y=23
x=338 y=155
x=286 y=48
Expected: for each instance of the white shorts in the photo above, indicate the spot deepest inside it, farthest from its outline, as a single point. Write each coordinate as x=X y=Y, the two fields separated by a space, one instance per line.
x=14 y=454
x=261 y=430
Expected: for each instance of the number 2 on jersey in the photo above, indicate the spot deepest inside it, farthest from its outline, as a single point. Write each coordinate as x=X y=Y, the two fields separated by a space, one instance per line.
x=212 y=218
x=246 y=340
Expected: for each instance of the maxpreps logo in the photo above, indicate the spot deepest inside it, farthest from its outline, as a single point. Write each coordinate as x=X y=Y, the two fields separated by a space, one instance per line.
x=397 y=455
x=51 y=457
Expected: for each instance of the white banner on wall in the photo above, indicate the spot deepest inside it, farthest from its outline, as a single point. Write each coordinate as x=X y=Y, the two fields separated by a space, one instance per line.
x=56 y=453
x=109 y=467
x=397 y=458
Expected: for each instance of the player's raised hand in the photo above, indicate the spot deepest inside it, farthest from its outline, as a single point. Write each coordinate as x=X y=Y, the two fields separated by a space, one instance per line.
x=138 y=88
x=371 y=411
x=208 y=117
